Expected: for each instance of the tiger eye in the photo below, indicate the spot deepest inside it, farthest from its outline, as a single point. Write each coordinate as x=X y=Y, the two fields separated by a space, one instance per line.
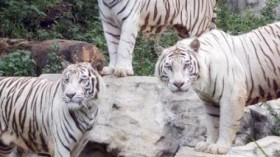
x=83 y=80
x=65 y=80
x=169 y=67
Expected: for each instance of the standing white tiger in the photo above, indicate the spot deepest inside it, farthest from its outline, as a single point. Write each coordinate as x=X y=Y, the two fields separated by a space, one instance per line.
x=228 y=73
x=122 y=19
x=49 y=117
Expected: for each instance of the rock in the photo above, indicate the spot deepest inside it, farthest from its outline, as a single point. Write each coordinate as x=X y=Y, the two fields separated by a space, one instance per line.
x=141 y=118
x=258 y=122
x=70 y=50
x=190 y=152
x=270 y=146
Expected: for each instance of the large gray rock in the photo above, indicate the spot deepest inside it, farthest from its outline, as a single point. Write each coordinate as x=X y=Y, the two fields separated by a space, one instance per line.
x=258 y=122
x=141 y=118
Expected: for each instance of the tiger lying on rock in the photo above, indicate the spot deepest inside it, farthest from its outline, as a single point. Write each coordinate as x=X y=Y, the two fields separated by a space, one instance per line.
x=50 y=118
x=228 y=73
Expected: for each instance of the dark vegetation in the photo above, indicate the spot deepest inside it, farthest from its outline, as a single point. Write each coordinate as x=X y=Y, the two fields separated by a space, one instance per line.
x=79 y=20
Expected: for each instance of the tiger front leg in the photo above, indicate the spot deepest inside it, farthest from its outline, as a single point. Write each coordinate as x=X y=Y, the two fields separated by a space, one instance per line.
x=126 y=46
x=112 y=35
x=212 y=112
x=230 y=118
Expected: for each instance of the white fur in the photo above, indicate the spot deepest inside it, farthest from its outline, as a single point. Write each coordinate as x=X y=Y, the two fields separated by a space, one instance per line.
x=235 y=71
x=122 y=20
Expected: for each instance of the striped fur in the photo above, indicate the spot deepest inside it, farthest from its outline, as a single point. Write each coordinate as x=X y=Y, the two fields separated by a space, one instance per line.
x=122 y=19
x=46 y=117
x=230 y=73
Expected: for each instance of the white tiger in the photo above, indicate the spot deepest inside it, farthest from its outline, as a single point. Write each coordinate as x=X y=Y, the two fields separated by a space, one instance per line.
x=122 y=19
x=49 y=118
x=228 y=73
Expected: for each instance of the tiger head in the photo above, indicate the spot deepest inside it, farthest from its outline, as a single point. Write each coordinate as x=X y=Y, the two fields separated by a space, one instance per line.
x=178 y=65
x=81 y=85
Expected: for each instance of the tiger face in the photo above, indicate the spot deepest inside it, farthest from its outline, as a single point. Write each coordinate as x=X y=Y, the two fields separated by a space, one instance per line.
x=178 y=66
x=80 y=85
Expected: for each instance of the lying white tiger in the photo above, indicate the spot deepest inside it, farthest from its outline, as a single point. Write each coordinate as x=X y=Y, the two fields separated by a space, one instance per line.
x=49 y=117
x=228 y=73
x=123 y=19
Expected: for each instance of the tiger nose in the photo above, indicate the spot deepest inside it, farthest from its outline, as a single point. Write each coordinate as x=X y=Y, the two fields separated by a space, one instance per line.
x=178 y=84
x=70 y=95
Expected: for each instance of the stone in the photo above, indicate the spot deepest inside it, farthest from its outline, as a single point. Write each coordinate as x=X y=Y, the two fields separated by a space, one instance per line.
x=190 y=152
x=258 y=122
x=71 y=51
x=270 y=146
x=140 y=117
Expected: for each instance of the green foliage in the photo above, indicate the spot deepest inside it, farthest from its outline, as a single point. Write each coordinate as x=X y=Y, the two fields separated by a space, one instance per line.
x=235 y=23
x=79 y=20
x=18 y=63
x=54 y=62
x=144 y=53
x=48 y=19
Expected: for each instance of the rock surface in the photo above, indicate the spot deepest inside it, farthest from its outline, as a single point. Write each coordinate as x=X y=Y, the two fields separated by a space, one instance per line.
x=71 y=51
x=140 y=118
x=270 y=146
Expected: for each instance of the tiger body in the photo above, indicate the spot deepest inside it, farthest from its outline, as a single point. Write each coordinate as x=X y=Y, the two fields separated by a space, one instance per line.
x=38 y=116
x=123 y=19
x=228 y=73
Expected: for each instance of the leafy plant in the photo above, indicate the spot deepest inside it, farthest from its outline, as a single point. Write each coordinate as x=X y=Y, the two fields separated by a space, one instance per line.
x=79 y=20
x=18 y=63
x=53 y=62
x=235 y=23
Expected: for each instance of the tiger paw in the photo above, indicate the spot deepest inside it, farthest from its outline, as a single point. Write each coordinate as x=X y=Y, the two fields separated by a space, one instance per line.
x=201 y=146
x=217 y=149
x=123 y=72
x=107 y=71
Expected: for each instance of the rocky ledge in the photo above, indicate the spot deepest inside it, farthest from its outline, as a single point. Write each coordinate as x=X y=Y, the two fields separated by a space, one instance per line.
x=141 y=118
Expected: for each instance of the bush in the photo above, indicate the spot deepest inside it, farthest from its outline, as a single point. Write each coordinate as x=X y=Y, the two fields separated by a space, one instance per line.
x=79 y=20
x=18 y=63
x=235 y=23
x=53 y=64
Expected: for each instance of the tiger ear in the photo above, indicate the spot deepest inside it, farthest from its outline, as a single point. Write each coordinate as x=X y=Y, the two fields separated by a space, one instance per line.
x=195 y=45
x=65 y=64
x=158 y=49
